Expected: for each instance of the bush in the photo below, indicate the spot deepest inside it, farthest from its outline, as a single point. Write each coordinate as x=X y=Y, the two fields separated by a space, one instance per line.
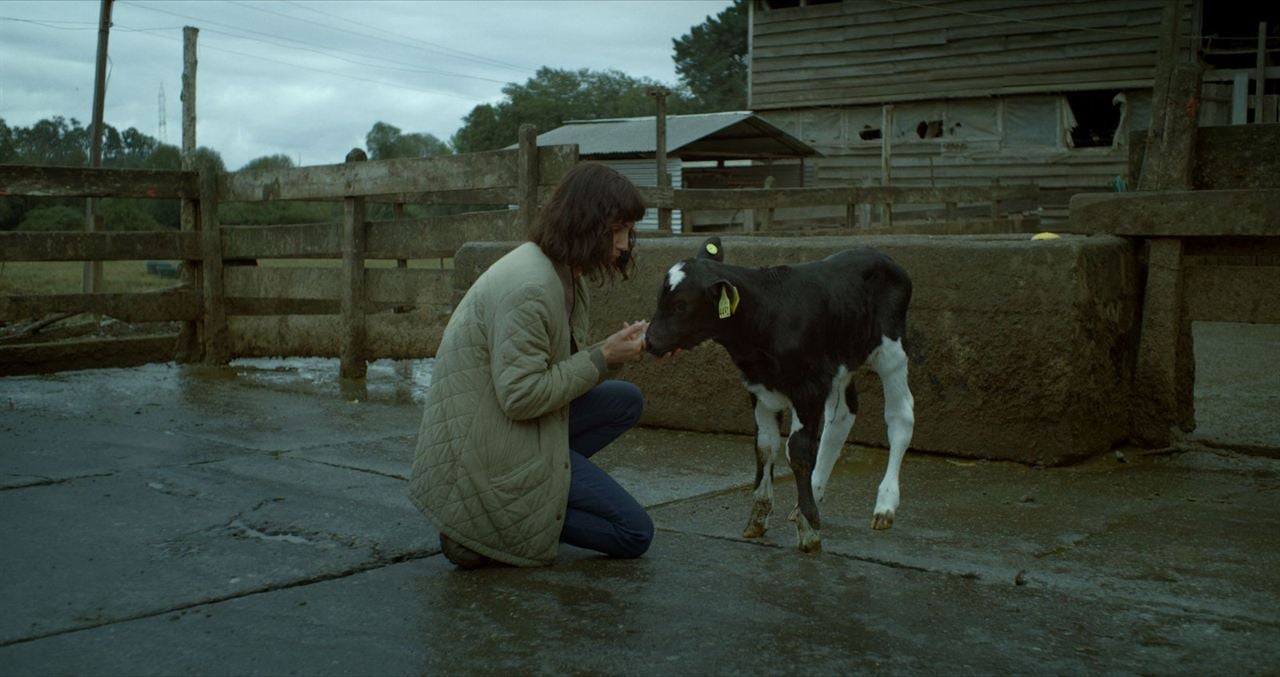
x=126 y=215
x=53 y=218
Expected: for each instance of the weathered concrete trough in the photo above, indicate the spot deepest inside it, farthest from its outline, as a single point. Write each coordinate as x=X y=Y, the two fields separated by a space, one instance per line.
x=1021 y=350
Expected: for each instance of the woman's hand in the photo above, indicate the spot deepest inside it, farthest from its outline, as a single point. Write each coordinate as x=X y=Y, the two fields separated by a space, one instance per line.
x=626 y=344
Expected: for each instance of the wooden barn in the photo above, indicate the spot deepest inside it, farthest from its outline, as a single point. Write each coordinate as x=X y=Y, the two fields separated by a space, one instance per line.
x=710 y=150
x=947 y=92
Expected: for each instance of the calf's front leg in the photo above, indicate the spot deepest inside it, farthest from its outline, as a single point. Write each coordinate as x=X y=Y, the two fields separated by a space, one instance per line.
x=768 y=445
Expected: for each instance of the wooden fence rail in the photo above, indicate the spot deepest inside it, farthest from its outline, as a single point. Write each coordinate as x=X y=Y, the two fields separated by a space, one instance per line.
x=342 y=311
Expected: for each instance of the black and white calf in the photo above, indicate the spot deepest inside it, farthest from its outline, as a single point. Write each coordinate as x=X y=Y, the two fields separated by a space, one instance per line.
x=798 y=333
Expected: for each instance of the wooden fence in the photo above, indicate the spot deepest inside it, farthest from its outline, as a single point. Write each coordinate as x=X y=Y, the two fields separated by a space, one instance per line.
x=857 y=202
x=356 y=312
x=236 y=310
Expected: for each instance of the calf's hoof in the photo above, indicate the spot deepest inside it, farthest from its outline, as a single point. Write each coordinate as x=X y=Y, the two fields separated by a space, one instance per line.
x=882 y=520
x=813 y=547
x=758 y=523
x=808 y=539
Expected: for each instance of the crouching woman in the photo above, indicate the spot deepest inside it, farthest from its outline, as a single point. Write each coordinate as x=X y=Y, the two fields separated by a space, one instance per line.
x=518 y=401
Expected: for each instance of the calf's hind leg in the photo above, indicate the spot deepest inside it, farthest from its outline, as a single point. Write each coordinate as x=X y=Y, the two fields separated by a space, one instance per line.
x=890 y=362
x=801 y=450
x=768 y=444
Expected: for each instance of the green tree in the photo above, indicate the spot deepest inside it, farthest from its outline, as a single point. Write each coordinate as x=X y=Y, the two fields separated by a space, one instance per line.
x=8 y=154
x=711 y=59
x=553 y=96
x=277 y=161
x=53 y=141
x=385 y=142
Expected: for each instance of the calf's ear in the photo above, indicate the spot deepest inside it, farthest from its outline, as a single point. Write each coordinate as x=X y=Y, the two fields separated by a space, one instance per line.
x=711 y=249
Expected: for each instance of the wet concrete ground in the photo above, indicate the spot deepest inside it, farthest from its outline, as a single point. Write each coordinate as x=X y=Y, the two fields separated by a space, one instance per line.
x=253 y=520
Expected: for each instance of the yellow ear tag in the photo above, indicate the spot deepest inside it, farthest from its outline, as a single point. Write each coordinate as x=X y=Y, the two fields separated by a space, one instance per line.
x=712 y=249
x=727 y=307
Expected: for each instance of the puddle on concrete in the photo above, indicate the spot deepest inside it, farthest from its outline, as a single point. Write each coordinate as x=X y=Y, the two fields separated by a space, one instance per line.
x=387 y=381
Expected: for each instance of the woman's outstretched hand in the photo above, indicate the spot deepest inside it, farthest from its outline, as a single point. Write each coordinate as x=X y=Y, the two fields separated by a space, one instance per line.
x=626 y=344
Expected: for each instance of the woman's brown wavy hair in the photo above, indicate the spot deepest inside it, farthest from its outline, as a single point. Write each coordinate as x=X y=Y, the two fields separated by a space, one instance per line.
x=576 y=226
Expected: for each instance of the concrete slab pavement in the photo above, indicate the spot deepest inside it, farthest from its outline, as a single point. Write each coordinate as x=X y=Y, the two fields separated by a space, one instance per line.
x=253 y=520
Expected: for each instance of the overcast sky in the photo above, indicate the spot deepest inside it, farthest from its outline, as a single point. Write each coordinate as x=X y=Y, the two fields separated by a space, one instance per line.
x=308 y=79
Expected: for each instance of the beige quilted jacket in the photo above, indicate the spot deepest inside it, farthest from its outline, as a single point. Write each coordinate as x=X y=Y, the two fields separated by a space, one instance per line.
x=491 y=470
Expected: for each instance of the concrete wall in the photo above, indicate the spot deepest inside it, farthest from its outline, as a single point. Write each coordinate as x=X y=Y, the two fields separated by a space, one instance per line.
x=1021 y=350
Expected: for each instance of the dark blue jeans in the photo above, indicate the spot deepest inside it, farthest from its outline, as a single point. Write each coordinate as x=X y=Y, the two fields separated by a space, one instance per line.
x=601 y=515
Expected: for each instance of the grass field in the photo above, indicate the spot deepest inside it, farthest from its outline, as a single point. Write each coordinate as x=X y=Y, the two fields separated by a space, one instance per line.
x=65 y=277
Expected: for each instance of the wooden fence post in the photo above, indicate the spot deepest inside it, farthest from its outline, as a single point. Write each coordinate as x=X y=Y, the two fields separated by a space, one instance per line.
x=527 y=178
x=886 y=161
x=768 y=213
x=660 y=154
x=189 y=347
x=216 y=344
x=353 y=245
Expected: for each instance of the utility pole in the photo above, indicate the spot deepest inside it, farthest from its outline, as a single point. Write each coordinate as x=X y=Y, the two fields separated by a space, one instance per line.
x=93 y=269
x=162 y=126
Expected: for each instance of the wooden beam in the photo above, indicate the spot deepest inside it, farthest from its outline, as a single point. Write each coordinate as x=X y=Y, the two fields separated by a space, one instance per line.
x=406 y=175
x=1177 y=213
x=886 y=161
x=216 y=347
x=432 y=237
x=527 y=188
x=170 y=305
x=33 y=181
x=406 y=286
x=55 y=356
x=756 y=198
x=391 y=335
x=396 y=179
x=663 y=179
x=441 y=236
x=190 y=348
x=101 y=246
x=1164 y=378
x=1171 y=137
x=353 y=245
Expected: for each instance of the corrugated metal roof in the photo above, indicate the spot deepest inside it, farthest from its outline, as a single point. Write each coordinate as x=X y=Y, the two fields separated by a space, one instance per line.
x=636 y=137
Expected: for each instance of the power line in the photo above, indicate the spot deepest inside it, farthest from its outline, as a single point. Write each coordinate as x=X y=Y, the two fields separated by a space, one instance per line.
x=328 y=51
x=447 y=50
x=319 y=70
x=85 y=25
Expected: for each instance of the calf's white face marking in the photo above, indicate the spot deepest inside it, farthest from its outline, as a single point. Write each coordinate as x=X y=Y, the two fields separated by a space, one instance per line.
x=675 y=275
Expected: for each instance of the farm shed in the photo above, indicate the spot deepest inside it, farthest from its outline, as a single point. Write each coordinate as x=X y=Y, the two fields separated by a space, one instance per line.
x=709 y=150
x=929 y=93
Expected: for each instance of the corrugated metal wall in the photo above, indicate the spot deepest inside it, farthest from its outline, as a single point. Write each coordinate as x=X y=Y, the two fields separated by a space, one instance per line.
x=645 y=173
